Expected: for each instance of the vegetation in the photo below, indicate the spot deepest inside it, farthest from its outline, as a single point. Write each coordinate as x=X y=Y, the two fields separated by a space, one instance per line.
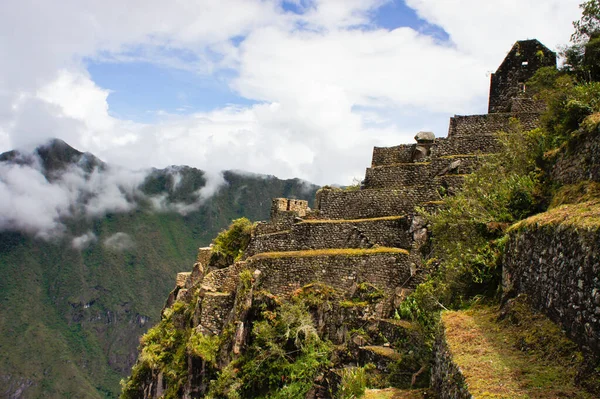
x=282 y=359
x=522 y=355
x=70 y=319
x=354 y=382
x=229 y=246
x=331 y=252
x=583 y=56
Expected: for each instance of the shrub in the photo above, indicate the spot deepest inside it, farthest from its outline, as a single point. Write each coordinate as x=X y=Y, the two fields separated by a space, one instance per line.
x=229 y=246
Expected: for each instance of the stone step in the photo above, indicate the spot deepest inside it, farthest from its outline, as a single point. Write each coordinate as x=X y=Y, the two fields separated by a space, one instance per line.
x=390 y=231
x=395 y=393
x=372 y=203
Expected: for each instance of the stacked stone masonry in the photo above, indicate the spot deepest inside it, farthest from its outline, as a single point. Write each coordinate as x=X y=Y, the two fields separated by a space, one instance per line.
x=214 y=309
x=477 y=144
x=392 y=155
x=580 y=161
x=477 y=125
x=284 y=275
x=360 y=204
x=399 y=175
x=324 y=234
x=446 y=378
x=299 y=207
x=558 y=267
x=521 y=63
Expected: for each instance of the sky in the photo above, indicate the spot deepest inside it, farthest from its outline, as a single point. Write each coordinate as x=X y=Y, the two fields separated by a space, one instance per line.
x=294 y=88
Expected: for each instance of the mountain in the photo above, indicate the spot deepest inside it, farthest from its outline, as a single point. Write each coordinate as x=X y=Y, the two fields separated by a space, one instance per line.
x=79 y=289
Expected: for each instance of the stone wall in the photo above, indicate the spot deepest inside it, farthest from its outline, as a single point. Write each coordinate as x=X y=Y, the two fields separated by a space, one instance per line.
x=392 y=155
x=580 y=161
x=399 y=175
x=325 y=234
x=558 y=267
x=283 y=275
x=474 y=144
x=300 y=207
x=456 y=165
x=521 y=63
x=527 y=105
x=212 y=311
x=359 y=204
x=477 y=125
x=282 y=220
x=446 y=378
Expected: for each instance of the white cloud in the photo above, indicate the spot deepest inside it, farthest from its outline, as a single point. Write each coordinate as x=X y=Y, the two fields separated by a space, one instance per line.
x=327 y=90
x=119 y=242
x=83 y=241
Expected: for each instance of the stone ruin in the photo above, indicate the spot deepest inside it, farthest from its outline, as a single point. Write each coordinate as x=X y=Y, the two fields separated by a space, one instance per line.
x=372 y=235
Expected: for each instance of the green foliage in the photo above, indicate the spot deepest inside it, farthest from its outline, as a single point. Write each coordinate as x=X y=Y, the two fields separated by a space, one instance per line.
x=229 y=245
x=468 y=228
x=354 y=382
x=204 y=346
x=589 y=24
x=282 y=359
x=162 y=348
x=583 y=56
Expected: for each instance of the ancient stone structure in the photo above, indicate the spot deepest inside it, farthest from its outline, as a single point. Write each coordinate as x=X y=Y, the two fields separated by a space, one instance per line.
x=373 y=236
x=508 y=82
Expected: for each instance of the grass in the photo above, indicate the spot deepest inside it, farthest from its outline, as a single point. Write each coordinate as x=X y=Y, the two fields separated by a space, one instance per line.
x=384 y=352
x=576 y=193
x=324 y=221
x=585 y=215
x=331 y=252
x=401 y=164
x=393 y=393
x=464 y=156
x=523 y=356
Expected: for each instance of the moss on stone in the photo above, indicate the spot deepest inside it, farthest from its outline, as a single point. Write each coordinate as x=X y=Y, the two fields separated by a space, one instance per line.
x=331 y=221
x=585 y=215
x=331 y=252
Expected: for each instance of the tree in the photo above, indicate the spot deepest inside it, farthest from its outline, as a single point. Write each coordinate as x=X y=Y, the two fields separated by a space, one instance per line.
x=583 y=56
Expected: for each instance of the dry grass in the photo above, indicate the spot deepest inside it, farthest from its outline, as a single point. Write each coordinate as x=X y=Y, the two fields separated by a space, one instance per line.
x=383 y=351
x=585 y=215
x=488 y=354
x=576 y=193
x=331 y=252
x=315 y=221
x=401 y=164
x=394 y=393
x=465 y=156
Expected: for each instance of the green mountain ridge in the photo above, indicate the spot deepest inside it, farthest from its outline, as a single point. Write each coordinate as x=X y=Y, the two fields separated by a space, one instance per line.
x=71 y=317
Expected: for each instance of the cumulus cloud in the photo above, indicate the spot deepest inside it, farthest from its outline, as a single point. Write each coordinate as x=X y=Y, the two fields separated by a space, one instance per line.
x=119 y=242
x=83 y=241
x=327 y=82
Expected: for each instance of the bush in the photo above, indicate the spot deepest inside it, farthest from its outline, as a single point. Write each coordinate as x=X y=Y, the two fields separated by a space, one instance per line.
x=229 y=246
